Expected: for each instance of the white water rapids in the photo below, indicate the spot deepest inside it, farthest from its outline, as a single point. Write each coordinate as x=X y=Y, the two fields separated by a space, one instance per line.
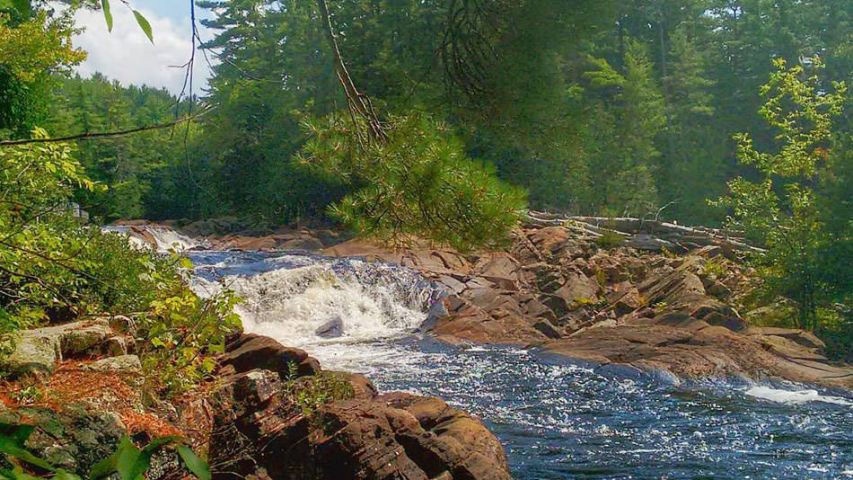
x=164 y=239
x=340 y=310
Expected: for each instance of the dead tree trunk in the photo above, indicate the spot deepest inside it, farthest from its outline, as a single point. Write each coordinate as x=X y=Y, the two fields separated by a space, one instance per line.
x=358 y=103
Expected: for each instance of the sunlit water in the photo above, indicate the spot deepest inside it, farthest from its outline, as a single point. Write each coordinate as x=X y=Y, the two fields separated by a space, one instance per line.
x=556 y=418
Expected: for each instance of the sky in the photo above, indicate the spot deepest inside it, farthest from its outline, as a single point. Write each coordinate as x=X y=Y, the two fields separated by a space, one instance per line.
x=128 y=56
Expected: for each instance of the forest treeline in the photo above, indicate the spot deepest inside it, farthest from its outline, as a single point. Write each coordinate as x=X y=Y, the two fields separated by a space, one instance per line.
x=444 y=119
x=594 y=107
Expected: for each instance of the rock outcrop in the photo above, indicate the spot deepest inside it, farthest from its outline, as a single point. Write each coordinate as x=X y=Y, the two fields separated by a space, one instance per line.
x=274 y=414
x=560 y=288
x=270 y=412
x=37 y=351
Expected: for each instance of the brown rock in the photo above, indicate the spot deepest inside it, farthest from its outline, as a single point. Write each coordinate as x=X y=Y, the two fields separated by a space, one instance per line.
x=251 y=351
x=547 y=329
x=671 y=287
x=800 y=337
x=262 y=427
x=301 y=243
x=549 y=240
x=536 y=309
x=578 y=288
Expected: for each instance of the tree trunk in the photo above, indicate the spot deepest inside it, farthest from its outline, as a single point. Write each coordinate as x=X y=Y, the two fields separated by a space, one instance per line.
x=358 y=103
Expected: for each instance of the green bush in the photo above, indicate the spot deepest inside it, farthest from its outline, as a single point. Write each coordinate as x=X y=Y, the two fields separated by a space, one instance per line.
x=836 y=330
x=127 y=463
x=417 y=183
x=309 y=393
x=780 y=209
x=610 y=240
x=53 y=268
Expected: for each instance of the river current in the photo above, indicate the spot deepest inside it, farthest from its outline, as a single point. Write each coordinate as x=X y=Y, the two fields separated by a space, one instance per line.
x=557 y=419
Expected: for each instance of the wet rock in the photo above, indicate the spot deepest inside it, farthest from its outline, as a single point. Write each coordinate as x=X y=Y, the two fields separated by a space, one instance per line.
x=304 y=243
x=331 y=329
x=261 y=427
x=557 y=275
x=251 y=351
x=437 y=311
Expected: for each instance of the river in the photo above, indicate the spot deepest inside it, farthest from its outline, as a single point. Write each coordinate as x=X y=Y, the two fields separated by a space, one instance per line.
x=557 y=419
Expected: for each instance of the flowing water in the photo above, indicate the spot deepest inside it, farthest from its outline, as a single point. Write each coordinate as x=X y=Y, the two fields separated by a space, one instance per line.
x=556 y=418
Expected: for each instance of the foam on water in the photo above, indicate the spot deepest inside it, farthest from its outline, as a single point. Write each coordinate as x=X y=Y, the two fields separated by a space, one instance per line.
x=134 y=241
x=294 y=295
x=165 y=239
x=794 y=396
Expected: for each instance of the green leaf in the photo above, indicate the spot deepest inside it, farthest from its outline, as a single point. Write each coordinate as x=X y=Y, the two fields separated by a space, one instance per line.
x=18 y=433
x=144 y=25
x=63 y=475
x=159 y=442
x=185 y=262
x=22 y=6
x=8 y=445
x=194 y=464
x=126 y=459
x=108 y=15
x=17 y=474
x=105 y=467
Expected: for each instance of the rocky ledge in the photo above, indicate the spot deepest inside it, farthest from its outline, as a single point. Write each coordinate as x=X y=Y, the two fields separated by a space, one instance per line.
x=568 y=288
x=271 y=412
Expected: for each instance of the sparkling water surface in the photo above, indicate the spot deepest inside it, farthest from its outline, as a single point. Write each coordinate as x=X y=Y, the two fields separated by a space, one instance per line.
x=556 y=418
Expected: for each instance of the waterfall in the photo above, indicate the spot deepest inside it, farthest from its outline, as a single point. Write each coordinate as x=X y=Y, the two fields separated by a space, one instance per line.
x=309 y=300
x=158 y=237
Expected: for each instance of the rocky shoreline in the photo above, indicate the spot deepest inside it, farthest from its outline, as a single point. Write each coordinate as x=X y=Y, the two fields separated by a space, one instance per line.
x=559 y=290
x=272 y=412
x=661 y=297
x=269 y=412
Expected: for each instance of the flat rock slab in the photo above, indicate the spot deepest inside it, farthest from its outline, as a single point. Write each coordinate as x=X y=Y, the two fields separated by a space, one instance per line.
x=701 y=353
x=38 y=350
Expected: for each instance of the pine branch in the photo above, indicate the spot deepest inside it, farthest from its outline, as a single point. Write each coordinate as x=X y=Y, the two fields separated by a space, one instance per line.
x=96 y=135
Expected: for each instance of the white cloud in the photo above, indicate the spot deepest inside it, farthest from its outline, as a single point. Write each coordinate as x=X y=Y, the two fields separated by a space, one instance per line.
x=128 y=56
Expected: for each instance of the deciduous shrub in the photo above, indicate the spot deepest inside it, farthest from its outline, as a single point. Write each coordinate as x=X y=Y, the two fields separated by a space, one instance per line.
x=54 y=268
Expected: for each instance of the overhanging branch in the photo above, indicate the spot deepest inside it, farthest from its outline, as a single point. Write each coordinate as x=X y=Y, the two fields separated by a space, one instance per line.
x=95 y=135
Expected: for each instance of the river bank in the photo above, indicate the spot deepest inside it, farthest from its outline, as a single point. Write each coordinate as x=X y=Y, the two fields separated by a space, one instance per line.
x=632 y=304
x=626 y=386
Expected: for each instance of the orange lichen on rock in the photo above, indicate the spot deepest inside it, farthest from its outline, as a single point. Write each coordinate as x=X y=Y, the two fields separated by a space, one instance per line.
x=118 y=392
x=147 y=422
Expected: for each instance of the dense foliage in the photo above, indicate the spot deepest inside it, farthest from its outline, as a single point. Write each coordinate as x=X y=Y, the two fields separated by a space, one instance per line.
x=53 y=266
x=593 y=107
x=418 y=180
x=149 y=173
x=643 y=108
x=780 y=210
